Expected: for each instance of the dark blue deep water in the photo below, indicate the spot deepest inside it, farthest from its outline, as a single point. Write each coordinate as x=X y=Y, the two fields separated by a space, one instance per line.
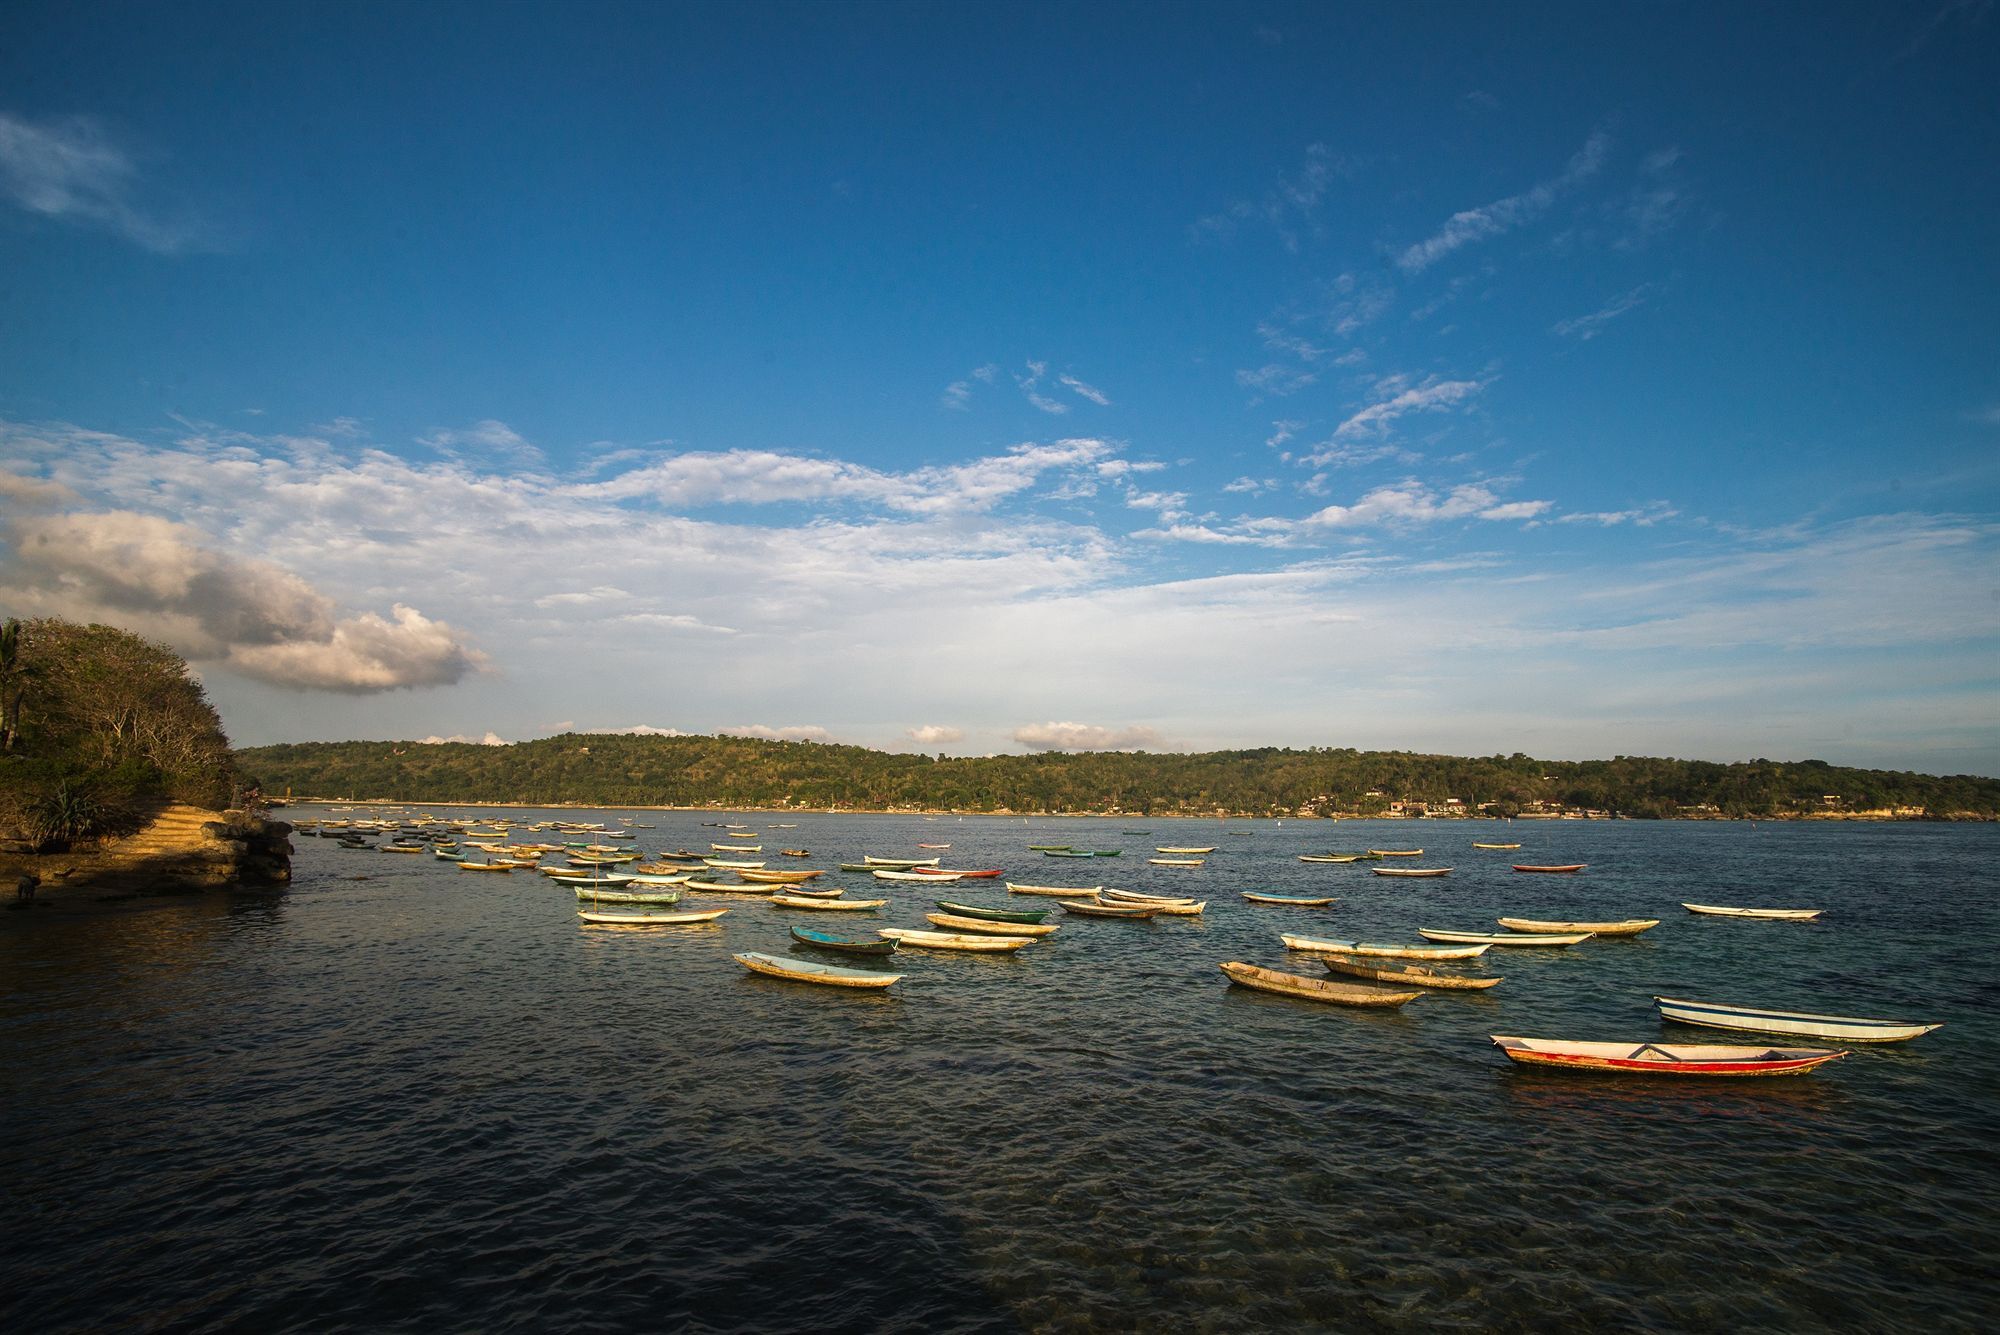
x=404 y=1097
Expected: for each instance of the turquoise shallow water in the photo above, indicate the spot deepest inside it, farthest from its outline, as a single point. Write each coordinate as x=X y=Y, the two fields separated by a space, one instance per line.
x=430 y=1099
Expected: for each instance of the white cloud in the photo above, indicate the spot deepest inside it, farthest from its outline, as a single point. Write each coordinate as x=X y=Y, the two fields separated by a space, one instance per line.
x=603 y=593
x=1282 y=431
x=490 y=739
x=1471 y=225
x=33 y=493
x=163 y=579
x=1640 y=517
x=1249 y=485
x=936 y=734
x=635 y=730
x=487 y=440
x=1589 y=326
x=69 y=167
x=804 y=733
x=1084 y=737
x=1432 y=395
x=957 y=395
x=1083 y=391
x=1276 y=380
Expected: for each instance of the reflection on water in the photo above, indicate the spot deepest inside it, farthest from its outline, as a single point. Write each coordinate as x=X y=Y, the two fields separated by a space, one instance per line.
x=428 y=1097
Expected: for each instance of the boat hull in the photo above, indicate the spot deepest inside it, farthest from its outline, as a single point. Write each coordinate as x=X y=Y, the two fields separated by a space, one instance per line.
x=1664 y=1059
x=1629 y=927
x=803 y=971
x=1780 y=915
x=1381 y=949
x=1312 y=989
x=1407 y=975
x=1839 y=1028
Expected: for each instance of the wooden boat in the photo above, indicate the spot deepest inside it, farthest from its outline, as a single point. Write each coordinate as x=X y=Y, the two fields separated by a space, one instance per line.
x=954 y=873
x=935 y=878
x=993 y=915
x=1476 y=844
x=1558 y=869
x=1841 y=1028
x=728 y=865
x=899 y=864
x=1056 y=891
x=659 y=878
x=987 y=927
x=615 y=919
x=734 y=848
x=953 y=940
x=726 y=888
x=1411 y=871
x=1313 y=989
x=589 y=895
x=853 y=945
x=811 y=971
x=1331 y=857
x=1087 y=910
x=1289 y=901
x=1410 y=975
x=1381 y=949
x=1395 y=852
x=612 y=882
x=1786 y=915
x=486 y=866
x=778 y=877
x=1629 y=927
x=829 y=892
x=1173 y=849
x=402 y=848
x=446 y=855
x=826 y=905
x=1066 y=853
x=1171 y=908
x=932 y=846
x=1503 y=938
x=793 y=853
x=1135 y=897
x=1107 y=853
x=1664 y=1058
x=1175 y=862
x=1048 y=848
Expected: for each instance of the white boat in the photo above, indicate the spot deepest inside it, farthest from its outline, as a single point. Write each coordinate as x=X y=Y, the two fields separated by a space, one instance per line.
x=932 y=877
x=1721 y=911
x=1627 y=927
x=1175 y=862
x=614 y=919
x=987 y=927
x=1056 y=891
x=1170 y=848
x=1382 y=949
x=1846 y=1029
x=593 y=895
x=812 y=971
x=732 y=866
x=1502 y=938
x=900 y=864
x=826 y=905
x=1173 y=908
x=952 y=940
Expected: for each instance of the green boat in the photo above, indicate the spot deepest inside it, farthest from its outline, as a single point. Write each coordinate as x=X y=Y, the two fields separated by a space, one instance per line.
x=855 y=866
x=993 y=915
x=1065 y=853
x=1107 y=853
x=1048 y=848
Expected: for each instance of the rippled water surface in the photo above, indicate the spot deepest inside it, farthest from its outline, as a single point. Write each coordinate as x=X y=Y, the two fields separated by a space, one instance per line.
x=402 y=1096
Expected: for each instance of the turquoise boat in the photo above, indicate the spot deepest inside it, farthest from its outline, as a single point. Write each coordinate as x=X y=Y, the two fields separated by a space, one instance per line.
x=993 y=915
x=806 y=936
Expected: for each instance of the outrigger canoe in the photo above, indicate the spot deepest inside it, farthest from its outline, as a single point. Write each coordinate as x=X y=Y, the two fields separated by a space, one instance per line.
x=811 y=971
x=1787 y=915
x=993 y=915
x=1382 y=950
x=1554 y=868
x=1503 y=938
x=1842 y=1028
x=953 y=940
x=852 y=945
x=1410 y=975
x=1056 y=891
x=1289 y=901
x=614 y=919
x=987 y=927
x=1312 y=989
x=1663 y=1058
x=1629 y=927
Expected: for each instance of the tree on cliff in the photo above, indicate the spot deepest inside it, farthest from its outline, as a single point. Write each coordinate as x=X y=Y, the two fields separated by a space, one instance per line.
x=104 y=725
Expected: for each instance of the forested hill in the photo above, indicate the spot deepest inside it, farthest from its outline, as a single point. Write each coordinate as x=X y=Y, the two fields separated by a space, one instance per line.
x=621 y=770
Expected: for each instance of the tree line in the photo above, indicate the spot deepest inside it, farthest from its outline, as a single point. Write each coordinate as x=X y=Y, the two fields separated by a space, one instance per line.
x=624 y=770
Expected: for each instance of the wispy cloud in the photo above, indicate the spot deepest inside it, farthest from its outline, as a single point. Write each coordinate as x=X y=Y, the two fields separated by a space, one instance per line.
x=1083 y=391
x=1027 y=384
x=1587 y=327
x=1644 y=516
x=487 y=440
x=1289 y=208
x=1464 y=228
x=1276 y=380
x=1394 y=400
x=70 y=168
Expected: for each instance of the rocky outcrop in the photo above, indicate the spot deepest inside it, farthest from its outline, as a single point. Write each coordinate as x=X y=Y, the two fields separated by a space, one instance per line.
x=182 y=848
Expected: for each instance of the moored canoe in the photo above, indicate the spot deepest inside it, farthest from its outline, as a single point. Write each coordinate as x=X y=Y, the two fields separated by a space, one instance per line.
x=954 y=940
x=1559 y=868
x=1174 y=848
x=1503 y=938
x=811 y=971
x=1722 y=911
x=1477 y=844
x=1313 y=989
x=1056 y=891
x=1175 y=862
x=1382 y=949
x=1628 y=927
x=826 y=904
x=1289 y=901
x=993 y=915
x=1410 y=975
x=588 y=895
x=939 y=878
x=987 y=927
x=853 y=945
x=1395 y=852
x=614 y=919
x=1676 y=1059
x=1411 y=871
x=1842 y=1028
x=1084 y=909
x=724 y=888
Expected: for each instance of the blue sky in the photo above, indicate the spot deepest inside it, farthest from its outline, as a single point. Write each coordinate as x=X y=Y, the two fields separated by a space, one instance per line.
x=1579 y=380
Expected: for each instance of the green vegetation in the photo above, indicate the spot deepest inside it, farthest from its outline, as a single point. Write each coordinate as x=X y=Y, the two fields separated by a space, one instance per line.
x=98 y=729
x=618 y=770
